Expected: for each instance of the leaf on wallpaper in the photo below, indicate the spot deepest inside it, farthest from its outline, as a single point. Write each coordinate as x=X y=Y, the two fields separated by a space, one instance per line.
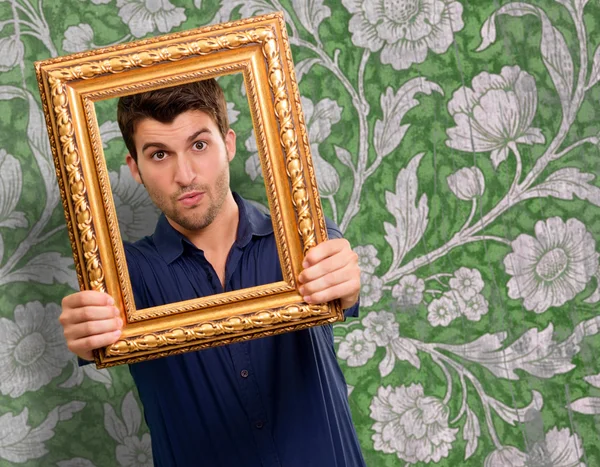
x=534 y=352
x=76 y=377
x=405 y=350
x=131 y=413
x=132 y=418
x=11 y=184
x=76 y=462
x=108 y=131
x=586 y=405
x=594 y=380
x=524 y=414
x=20 y=443
x=47 y=268
x=198 y=3
x=1 y=248
x=253 y=167
x=38 y=140
x=595 y=297
x=344 y=156
x=471 y=433
x=349 y=389
x=102 y=376
x=389 y=132
x=248 y=8
x=411 y=219
x=387 y=364
x=578 y=4
x=303 y=67
x=595 y=75
x=113 y=424
x=555 y=52
x=311 y=13
x=566 y=182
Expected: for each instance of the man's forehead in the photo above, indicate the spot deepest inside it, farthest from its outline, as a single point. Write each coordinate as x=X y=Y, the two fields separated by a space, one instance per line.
x=189 y=121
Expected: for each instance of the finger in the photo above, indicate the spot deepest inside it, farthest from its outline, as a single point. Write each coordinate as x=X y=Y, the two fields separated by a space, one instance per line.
x=345 y=289
x=92 y=328
x=323 y=267
x=81 y=346
x=339 y=276
x=87 y=298
x=323 y=250
x=87 y=313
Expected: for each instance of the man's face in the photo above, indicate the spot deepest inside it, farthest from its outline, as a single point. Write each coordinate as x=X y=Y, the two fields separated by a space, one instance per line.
x=184 y=165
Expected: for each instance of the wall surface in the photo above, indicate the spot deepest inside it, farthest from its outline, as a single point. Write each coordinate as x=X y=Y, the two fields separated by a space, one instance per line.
x=456 y=144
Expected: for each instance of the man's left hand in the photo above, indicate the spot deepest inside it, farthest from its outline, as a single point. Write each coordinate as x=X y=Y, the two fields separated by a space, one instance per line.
x=330 y=271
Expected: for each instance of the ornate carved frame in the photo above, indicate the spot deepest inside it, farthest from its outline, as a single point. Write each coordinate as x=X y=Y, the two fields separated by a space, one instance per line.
x=257 y=47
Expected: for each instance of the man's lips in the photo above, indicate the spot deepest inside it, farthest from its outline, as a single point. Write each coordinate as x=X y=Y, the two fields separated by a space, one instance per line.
x=191 y=198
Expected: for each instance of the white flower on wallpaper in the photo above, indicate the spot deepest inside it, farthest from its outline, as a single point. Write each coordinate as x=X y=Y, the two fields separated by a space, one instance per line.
x=467 y=282
x=11 y=52
x=146 y=16
x=367 y=258
x=467 y=183
x=33 y=350
x=409 y=290
x=78 y=38
x=136 y=213
x=554 y=266
x=371 y=289
x=135 y=452
x=356 y=349
x=559 y=448
x=495 y=114
x=11 y=183
x=380 y=327
x=132 y=451
x=404 y=30
x=410 y=424
x=474 y=308
x=442 y=311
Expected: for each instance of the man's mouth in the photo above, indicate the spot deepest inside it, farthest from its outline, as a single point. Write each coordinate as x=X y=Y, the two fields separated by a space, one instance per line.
x=191 y=198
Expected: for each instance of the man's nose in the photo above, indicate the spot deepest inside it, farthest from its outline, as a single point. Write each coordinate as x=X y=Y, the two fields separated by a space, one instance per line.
x=184 y=171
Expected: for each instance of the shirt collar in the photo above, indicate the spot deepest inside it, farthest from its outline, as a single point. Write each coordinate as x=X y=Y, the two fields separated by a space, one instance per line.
x=253 y=222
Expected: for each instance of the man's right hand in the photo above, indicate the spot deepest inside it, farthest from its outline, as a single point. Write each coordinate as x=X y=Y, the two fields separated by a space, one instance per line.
x=90 y=321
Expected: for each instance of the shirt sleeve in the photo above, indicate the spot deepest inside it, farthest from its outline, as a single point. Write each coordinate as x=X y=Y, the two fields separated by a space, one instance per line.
x=334 y=232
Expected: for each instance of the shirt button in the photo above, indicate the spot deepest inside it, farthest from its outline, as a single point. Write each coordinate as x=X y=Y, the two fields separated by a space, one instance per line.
x=244 y=373
x=259 y=424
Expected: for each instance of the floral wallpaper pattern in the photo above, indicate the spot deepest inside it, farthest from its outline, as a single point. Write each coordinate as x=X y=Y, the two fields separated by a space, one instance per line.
x=456 y=146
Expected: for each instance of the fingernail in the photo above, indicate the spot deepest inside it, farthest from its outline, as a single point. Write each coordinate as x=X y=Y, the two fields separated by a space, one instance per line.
x=307 y=299
x=305 y=264
x=116 y=311
x=301 y=290
x=117 y=333
x=111 y=301
x=120 y=322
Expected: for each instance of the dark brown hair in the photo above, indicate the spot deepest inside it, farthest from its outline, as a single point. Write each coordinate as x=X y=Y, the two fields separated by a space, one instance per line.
x=166 y=104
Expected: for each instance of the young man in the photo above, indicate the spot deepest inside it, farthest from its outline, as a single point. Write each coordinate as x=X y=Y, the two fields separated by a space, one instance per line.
x=276 y=401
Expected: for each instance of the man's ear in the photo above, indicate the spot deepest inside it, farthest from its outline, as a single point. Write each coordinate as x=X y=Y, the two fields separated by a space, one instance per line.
x=230 y=144
x=133 y=168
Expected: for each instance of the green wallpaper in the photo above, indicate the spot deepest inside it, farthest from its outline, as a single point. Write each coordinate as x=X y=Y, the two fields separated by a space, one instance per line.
x=457 y=146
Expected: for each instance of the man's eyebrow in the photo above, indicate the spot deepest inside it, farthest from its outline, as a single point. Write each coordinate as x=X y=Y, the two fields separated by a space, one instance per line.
x=164 y=146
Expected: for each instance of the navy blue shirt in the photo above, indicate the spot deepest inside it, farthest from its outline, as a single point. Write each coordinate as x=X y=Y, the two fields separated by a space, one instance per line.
x=274 y=401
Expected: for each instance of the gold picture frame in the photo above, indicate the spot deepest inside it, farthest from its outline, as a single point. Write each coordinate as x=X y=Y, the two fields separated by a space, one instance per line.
x=258 y=48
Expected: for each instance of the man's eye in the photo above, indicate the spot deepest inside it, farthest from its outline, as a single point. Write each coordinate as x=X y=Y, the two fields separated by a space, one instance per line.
x=199 y=145
x=159 y=155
